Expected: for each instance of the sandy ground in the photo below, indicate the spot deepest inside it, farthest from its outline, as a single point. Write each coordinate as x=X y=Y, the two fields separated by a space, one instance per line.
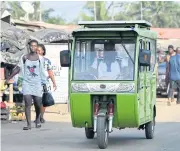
x=59 y=113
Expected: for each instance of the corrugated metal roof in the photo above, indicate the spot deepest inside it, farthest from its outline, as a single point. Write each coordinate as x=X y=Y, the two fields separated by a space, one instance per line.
x=163 y=33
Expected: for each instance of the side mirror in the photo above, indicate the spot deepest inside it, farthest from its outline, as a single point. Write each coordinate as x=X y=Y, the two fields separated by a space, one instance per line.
x=145 y=57
x=65 y=58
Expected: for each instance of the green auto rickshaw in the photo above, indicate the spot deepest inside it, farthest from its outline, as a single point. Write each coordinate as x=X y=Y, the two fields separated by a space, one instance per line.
x=112 y=77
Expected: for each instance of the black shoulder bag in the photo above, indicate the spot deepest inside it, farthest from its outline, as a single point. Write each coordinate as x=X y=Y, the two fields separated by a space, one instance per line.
x=47 y=98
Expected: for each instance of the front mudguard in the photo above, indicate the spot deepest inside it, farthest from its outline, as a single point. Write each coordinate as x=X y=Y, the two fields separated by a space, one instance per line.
x=102 y=112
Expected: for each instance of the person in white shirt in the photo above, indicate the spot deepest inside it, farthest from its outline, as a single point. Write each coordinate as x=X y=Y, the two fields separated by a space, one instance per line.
x=99 y=56
x=109 y=68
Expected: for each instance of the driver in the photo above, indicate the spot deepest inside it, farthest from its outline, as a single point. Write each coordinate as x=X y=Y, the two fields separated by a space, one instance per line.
x=108 y=69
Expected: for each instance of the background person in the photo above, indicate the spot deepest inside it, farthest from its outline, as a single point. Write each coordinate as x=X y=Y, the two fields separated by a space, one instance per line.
x=41 y=50
x=171 y=52
x=174 y=75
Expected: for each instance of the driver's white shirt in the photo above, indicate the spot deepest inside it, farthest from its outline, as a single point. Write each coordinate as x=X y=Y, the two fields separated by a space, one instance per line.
x=102 y=70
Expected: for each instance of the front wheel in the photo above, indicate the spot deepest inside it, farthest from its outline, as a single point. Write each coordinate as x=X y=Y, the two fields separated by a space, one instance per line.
x=102 y=132
x=149 y=129
x=89 y=133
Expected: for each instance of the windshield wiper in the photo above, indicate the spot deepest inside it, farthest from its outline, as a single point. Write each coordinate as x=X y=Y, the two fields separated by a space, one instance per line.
x=127 y=51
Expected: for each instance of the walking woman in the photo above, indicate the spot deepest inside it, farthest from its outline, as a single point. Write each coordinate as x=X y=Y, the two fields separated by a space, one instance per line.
x=33 y=73
x=41 y=50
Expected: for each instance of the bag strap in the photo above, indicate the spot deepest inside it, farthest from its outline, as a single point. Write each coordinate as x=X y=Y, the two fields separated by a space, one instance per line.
x=25 y=58
x=45 y=90
x=177 y=64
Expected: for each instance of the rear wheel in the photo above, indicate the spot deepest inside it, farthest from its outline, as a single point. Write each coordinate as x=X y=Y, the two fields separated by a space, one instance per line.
x=102 y=132
x=149 y=129
x=89 y=133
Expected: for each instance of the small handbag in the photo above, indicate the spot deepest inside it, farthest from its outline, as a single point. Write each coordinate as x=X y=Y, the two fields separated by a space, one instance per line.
x=47 y=98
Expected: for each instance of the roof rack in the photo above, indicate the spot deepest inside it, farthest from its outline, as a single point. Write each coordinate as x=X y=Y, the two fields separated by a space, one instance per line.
x=115 y=24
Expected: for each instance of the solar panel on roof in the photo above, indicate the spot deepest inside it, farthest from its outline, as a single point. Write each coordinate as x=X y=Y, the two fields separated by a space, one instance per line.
x=114 y=24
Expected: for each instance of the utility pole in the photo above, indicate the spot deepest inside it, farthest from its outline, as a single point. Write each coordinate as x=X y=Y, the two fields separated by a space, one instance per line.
x=40 y=13
x=112 y=18
x=3 y=5
x=141 y=11
x=95 y=11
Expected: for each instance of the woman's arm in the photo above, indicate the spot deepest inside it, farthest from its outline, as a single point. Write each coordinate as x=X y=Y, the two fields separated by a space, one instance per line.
x=51 y=75
x=167 y=72
x=42 y=71
x=15 y=71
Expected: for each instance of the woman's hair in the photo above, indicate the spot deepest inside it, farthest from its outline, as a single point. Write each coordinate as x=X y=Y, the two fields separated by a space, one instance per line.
x=171 y=46
x=33 y=40
x=43 y=47
x=178 y=48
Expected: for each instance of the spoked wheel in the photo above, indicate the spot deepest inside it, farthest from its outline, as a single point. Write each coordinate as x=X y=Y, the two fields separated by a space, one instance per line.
x=102 y=132
x=149 y=129
x=89 y=133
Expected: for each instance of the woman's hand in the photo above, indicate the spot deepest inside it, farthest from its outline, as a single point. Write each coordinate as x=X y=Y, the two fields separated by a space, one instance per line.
x=54 y=86
x=9 y=81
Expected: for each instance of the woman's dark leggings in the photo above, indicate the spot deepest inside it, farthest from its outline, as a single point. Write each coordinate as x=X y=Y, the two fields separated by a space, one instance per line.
x=37 y=104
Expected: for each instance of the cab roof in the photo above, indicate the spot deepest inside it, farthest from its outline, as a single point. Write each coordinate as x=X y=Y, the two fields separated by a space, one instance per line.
x=141 y=27
x=140 y=32
x=114 y=24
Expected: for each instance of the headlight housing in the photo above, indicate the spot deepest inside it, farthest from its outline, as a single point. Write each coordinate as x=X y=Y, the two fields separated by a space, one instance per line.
x=101 y=87
x=80 y=87
x=126 y=87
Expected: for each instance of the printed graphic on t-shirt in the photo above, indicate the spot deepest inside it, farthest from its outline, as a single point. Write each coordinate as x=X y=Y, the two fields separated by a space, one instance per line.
x=32 y=71
x=47 y=64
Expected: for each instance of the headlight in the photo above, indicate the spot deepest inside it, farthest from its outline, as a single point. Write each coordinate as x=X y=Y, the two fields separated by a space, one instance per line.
x=126 y=87
x=80 y=87
x=101 y=87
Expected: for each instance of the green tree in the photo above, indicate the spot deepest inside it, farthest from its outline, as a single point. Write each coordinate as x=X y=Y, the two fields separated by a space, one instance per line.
x=46 y=14
x=56 y=20
x=159 y=13
x=36 y=14
x=16 y=10
x=101 y=11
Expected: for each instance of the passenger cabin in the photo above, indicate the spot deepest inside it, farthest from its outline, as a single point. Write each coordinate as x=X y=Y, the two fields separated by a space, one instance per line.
x=128 y=37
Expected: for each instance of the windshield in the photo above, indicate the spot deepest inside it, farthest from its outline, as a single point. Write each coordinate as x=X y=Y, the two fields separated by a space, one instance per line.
x=104 y=59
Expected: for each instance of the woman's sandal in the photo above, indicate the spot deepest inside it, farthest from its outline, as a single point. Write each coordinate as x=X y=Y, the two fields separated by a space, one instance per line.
x=169 y=103
x=42 y=120
x=38 y=125
x=27 y=128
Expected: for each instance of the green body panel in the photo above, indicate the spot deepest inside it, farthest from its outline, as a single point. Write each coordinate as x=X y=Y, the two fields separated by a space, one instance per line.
x=81 y=109
x=125 y=111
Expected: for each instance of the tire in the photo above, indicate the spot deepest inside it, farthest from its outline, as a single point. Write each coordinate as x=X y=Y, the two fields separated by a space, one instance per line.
x=149 y=129
x=89 y=133
x=102 y=133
